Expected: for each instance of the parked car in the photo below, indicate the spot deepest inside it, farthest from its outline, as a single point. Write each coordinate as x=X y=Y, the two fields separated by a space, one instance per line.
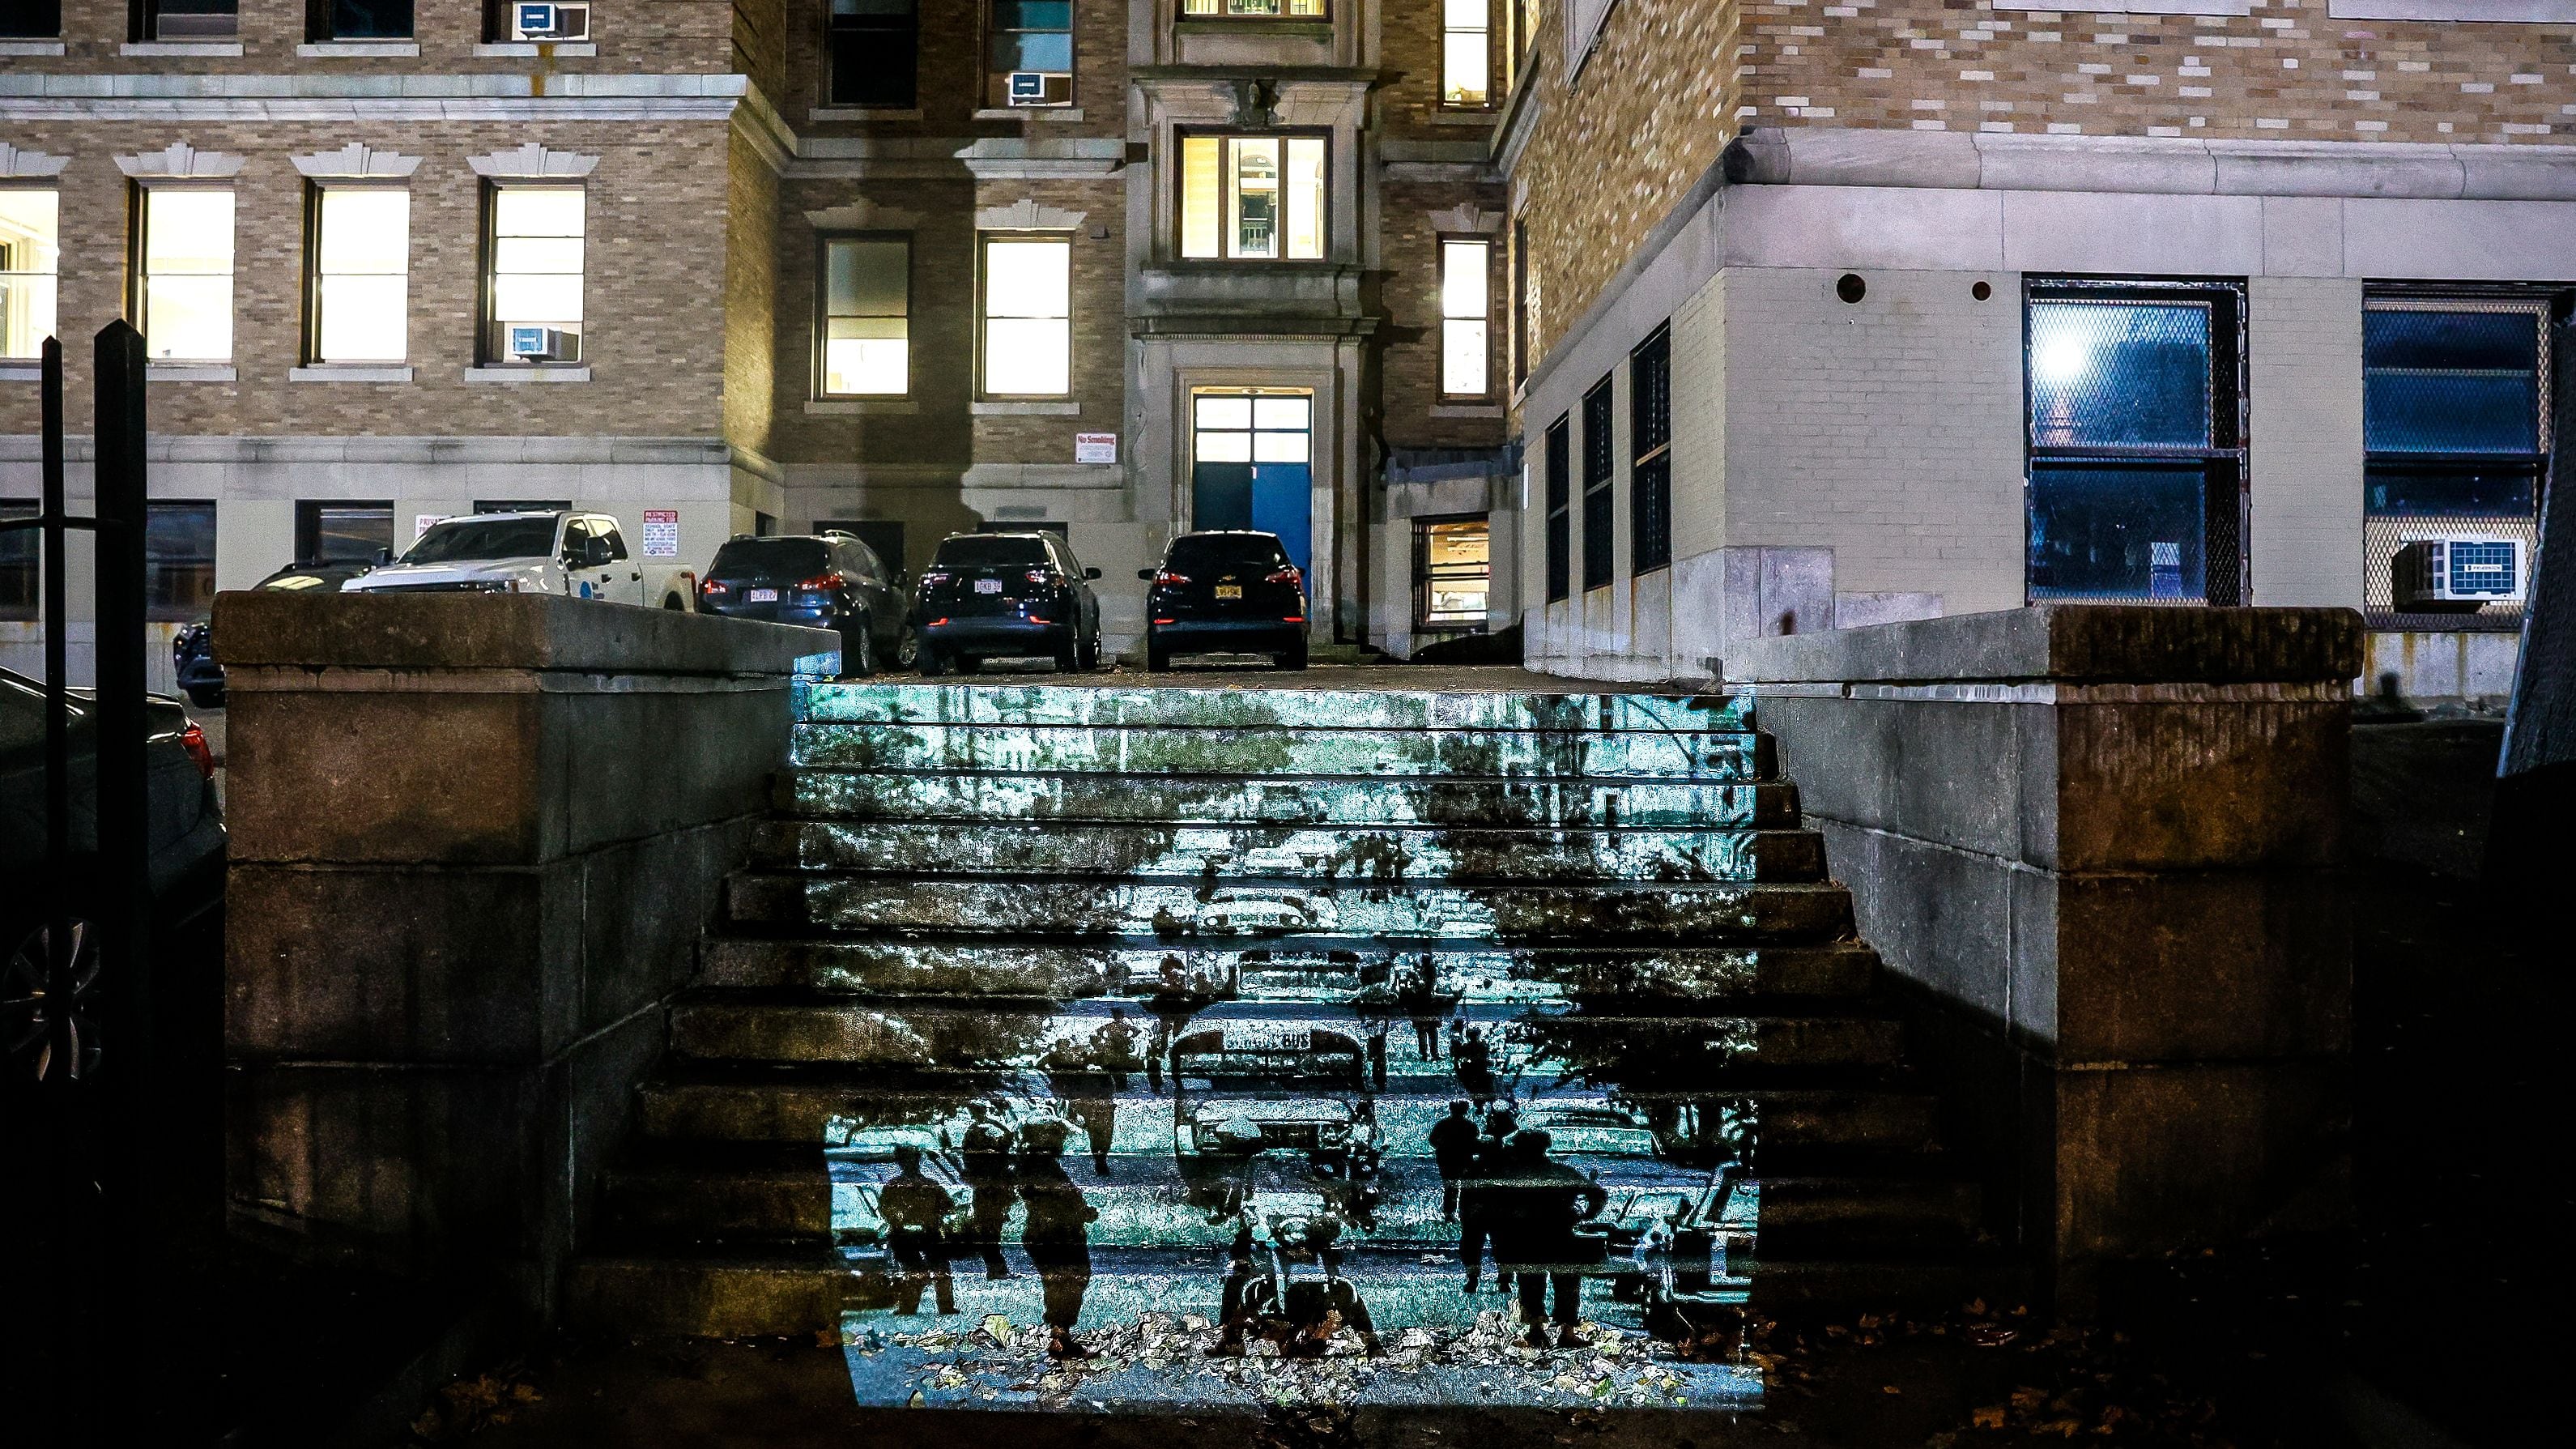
x=184 y=874
x=557 y=551
x=192 y=649
x=1225 y=592
x=823 y=581
x=997 y=595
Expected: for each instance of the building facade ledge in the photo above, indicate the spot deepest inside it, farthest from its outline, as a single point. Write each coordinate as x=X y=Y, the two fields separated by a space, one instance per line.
x=350 y=372
x=1024 y=408
x=359 y=49
x=861 y=407
x=31 y=47
x=519 y=374
x=181 y=47
x=1064 y=114
x=530 y=49
x=188 y=372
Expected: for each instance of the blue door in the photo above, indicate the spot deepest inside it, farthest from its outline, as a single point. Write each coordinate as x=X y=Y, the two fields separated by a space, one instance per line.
x=1254 y=467
x=1283 y=502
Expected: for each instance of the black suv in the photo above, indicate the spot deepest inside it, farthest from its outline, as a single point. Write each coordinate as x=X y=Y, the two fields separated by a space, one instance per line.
x=192 y=649
x=1233 y=592
x=991 y=595
x=822 y=581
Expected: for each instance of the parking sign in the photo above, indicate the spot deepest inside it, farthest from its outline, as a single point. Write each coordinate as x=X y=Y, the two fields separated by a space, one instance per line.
x=661 y=533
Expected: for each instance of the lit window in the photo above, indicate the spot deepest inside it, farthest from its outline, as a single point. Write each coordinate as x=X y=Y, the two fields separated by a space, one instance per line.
x=875 y=47
x=1466 y=53
x=1028 y=316
x=1030 y=53
x=536 y=261
x=186 y=280
x=361 y=274
x=30 y=252
x=1453 y=573
x=867 y=325
x=191 y=19
x=361 y=20
x=1237 y=427
x=1464 y=325
x=1252 y=197
x=1254 y=9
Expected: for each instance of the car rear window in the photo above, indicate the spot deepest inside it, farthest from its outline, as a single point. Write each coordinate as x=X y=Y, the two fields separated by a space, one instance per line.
x=985 y=550
x=771 y=558
x=1225 y=550
x=480 y=538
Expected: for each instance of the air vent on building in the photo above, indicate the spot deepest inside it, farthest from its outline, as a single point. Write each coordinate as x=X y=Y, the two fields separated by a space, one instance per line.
x=1040 y=88
x=2451 y=574
x=550 y=22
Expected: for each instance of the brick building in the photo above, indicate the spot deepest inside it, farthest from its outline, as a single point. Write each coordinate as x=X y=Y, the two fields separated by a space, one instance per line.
x=901 y=266
x=1842 y=312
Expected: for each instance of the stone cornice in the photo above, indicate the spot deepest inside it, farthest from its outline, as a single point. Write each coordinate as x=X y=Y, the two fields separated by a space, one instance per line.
x=188 y=98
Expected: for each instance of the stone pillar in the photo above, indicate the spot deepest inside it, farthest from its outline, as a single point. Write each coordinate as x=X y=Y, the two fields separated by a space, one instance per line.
x=2103 y=842
x=474 y=841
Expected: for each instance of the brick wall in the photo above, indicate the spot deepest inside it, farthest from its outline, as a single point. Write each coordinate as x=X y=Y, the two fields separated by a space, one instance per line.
x=680 y=36
x=931 y=427
x=2287 y=71
x=951 y=76
x=751 y=296
x=1408 y=98
x=1410 y=362
x=654 y=280
x=1888 y=431
x=2303 y=456
x=1099 y=318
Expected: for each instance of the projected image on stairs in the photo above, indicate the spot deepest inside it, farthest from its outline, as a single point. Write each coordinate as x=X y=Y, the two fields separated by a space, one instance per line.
x=1092 y=1043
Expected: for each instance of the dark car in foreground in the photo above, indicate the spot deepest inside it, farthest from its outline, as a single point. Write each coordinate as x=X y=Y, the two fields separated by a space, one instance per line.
x=1225 y=592
x=192 y=649
x=821 y=581
x=1003 y=595
x=184 y=877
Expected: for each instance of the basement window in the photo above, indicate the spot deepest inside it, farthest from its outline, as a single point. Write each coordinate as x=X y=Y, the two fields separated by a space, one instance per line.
x=178 y=560
x=1252 y=198
x=1560 y=519
x=1453 y=573
x=1600 y=453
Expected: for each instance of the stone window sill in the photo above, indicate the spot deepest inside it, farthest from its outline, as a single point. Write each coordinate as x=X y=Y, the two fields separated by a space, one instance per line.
x=188 y=372
x=22 y=371
x=531 y=49
x=31 y=47
x=1026 y=409
x=390 y=49
x=180 y=47
x=509 y=374
x=1465 y=116
x=347 y=372
x=859 y=115
x=1067 y=114
x=859 y=407
x=1466 y=410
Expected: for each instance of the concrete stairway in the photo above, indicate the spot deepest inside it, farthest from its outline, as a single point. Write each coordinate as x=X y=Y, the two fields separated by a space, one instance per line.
x=963 y=882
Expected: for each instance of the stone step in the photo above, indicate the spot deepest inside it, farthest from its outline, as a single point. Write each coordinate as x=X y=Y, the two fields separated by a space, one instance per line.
x=1105 y=704
x=1331 y=967
x=729 y=1103
x=1358 y=853
x=1396 y=800
x=1356 y=755
x=932 y=1036
x=1734 y=914
x=678 y=1201
x=800 y=1290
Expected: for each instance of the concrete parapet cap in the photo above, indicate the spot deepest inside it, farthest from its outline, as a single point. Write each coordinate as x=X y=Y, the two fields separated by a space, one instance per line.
x=2068 y=643
x=2162 y=165
x=408 y=636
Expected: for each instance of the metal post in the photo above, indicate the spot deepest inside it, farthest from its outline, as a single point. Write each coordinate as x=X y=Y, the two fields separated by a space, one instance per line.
x=60 y=952
x=124 y=803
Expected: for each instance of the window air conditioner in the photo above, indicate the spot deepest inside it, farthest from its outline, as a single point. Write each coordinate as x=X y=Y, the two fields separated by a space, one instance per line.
x=549 y=22
x=2457 y=574
x=544 y=344
x=1040 y=88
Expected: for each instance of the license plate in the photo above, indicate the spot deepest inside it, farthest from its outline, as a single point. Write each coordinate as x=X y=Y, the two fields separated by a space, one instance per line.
x=1229 y=591
x=764 y=596
x=988 y=586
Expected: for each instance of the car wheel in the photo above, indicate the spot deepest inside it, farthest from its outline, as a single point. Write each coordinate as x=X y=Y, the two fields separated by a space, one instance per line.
x=1068 y=655
x=968 y=663
x=28 y=1014
x=858 y=649
x=1157 y=657
x=933 y=663
x=907 y=649
x=1090 y=659
x=675 y=603
x=1293 y=658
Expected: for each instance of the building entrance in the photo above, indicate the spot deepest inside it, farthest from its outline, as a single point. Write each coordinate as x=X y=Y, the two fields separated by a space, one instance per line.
x=1252 y=465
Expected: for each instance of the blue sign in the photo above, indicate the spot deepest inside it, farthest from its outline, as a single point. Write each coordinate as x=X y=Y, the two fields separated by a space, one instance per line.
x=1028 y=85
x=536 y=19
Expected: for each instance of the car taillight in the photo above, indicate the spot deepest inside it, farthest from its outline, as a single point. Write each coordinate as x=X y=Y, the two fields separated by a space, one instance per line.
x=1166 y=576
x=934 y=578
x=1288 y=575
x=1041 y=576
x=193 y=740
x=822 y=583
x=711 y=588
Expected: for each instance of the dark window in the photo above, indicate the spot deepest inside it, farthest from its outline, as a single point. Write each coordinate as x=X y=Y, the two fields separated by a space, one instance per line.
x=1560 y=521
x=2455 y=393
x=1196 y=551
x=2135 y=460
x=1520 y=302
x=884 y=537
x=875 y=50
x=988 y=550
x=342 y=532
x=358 y=19
x=1650 y=444
x=522 y=505
x=187 y=19
x=178 y=560
x=20 y=570
x=1599 y=463
x=31 y=19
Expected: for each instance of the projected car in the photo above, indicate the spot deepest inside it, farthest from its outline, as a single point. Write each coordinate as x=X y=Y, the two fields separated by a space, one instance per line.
x=1659 y=1209
x=1241 y=1088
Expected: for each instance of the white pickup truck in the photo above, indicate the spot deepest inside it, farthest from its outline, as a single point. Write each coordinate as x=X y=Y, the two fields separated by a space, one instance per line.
x=580 y=555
